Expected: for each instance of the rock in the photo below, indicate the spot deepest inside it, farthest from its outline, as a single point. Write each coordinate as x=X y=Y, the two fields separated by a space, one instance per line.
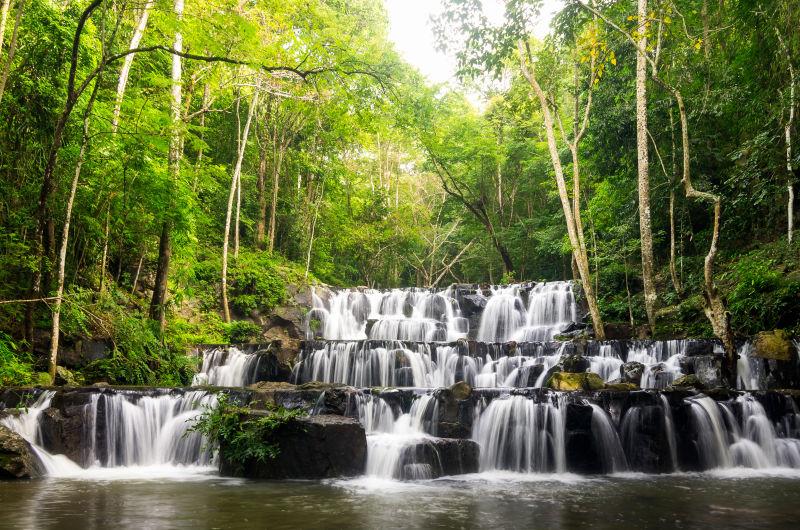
x=688 y=381
x=472 y=304
x=66 y=377
x=16 y=456
x=575 y=381
x=461 y=390
x=438 y=457
x=774 y=345
x=620 y=387
x=618 y=331
x=631 y=372
x=575 y=364
x=698 y=347
x=315 y=447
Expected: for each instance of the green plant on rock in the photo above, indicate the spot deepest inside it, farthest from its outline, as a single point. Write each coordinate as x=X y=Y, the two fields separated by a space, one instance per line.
x=238 y=434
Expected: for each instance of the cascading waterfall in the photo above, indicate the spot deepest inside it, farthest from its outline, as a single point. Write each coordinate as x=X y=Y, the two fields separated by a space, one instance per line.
x=227 y=367
x=609 y=447
x=399 y=447
x=124 y=429
x=27 y=425
x=606 y=363
x=517 y=434
x=661 y=362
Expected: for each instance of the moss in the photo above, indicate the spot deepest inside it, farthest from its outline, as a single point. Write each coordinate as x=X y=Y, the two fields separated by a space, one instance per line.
x=621 y=387
x=575 y=381
x=688 y=381
x=773 y=345
x=461 y=390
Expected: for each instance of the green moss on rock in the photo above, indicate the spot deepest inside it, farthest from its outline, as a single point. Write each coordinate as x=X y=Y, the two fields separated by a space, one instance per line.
x=575 y=381
x=774 y=345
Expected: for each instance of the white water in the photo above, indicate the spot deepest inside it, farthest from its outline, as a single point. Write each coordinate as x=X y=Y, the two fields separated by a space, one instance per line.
x=142 y=436
x=227 y=367
x=517 y=434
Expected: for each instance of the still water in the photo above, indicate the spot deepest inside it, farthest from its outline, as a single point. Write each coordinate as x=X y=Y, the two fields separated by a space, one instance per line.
x=173 y=498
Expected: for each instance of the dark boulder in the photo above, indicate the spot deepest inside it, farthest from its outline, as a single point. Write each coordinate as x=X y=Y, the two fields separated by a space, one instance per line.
x=16 y=456
x=581 y=450
x=698 y=347
x=437 y=457
x=631 y=372
x=619 y=331
x=472 y=304
x=315 y=447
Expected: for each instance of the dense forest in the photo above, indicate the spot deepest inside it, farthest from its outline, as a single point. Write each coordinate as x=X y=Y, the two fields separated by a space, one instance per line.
x=169 y=169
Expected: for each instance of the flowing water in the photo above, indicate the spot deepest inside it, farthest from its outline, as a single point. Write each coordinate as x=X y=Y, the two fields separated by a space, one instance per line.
x=499 y=500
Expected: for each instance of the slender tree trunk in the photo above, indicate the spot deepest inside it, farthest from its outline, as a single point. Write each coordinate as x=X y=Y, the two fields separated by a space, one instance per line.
x=55 y=331
x=158 y=302
x=676 y=283
x=714 y=307
x=12 y=47
x=238 y=186
x=313 y=228
x=103 y=262
x=645 y=228
x=138 y=270
x=5 y=5
x=276 y=172
x=138 y=32
x=575 y=240
x=237 y=173
x=787 y=129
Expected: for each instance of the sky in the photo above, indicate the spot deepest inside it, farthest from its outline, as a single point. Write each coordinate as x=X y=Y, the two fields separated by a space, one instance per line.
x=410 y=30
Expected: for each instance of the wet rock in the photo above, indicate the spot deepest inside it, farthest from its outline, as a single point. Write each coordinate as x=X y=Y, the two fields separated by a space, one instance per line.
x=315 y=447
x=438 y=457
x=687 y=382
x=707 y=368
x=472 y=304
x=631 y=372
x=581 y=452
x=461 y=390
x=698 y=347
x=574 y=364
x=16 y=456
x=573 y=381
x=67 y=377
x=774 y=345
x=621 y=387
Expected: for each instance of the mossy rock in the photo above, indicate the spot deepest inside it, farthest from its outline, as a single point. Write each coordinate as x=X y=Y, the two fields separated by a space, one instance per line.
x=774 y=345
x=688 y=381
x=461 y=390
x=67 y=377
x=621 y=387
x=575 y=381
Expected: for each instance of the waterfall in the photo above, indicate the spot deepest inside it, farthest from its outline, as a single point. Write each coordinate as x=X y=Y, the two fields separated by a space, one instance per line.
x=661 y=361
x=227 y=367
x=150 y=430
x=413 y=314
x=551 y=307
x=124 y=429
x=606 y=363
x=749 y=371
x=27 y=425
x=609 y=447
x=669 y=429
x=712 y=445
x=517 y=434
x=399 y=448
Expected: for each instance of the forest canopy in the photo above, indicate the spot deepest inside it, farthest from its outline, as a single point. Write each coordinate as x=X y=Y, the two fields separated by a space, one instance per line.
x=170 y=168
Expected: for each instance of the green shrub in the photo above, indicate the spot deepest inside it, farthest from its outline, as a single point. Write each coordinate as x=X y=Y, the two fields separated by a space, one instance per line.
x=239 y=437
x=15 y=366
x=240 y=331
x=761 y=296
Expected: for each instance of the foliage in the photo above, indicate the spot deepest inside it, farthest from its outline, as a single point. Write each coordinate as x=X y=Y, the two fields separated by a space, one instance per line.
x=240 y=331
x=240 y=436
x=14 y=370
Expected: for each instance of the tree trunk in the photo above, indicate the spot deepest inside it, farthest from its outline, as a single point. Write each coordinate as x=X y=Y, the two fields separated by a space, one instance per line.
x=4 y=7
x=645 y=229
x=104 y=261
x=676 y=283
x=237 y=174
x=787 y=129
x=313 y=227
x=62 y=253
x=715 y=309
x=12 y=48
x=276 y=172
x=575 y=240
x=158 y=302
x=239 y=149
x=138 y=32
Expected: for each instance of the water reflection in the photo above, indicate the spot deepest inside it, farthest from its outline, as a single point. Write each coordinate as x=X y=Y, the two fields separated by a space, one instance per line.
x=500 y=500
